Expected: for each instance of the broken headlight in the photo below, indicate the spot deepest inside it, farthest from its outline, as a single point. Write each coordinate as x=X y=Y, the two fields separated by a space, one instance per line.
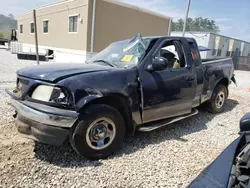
x=51 y=94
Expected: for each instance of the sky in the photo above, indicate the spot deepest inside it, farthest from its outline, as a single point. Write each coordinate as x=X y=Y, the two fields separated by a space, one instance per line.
x=233 y=17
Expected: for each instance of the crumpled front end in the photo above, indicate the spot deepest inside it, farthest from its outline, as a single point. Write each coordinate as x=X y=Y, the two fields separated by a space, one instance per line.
x=37 y=120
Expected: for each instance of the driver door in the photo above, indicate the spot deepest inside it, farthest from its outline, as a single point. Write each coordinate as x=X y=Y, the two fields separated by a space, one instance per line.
x=168 y=92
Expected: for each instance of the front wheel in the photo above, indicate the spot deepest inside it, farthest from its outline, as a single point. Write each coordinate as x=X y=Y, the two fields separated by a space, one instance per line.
x=217 y=101
x=99 y=132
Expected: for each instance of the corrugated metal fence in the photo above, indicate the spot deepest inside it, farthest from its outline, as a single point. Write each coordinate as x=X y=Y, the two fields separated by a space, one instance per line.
x=242 y=63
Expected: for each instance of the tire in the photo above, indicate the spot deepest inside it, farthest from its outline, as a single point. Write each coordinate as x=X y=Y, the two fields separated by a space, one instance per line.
x=217 y=101
x=95 y=123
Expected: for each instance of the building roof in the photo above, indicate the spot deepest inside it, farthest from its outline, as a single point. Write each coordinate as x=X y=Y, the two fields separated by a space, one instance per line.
x=110 y=1
x=207 y=33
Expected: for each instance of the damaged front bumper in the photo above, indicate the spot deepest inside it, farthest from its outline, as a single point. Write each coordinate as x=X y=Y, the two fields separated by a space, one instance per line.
x=43 y=123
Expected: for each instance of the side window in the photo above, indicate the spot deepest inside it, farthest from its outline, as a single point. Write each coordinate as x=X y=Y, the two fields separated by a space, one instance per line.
x=21 y=28
x=73 y=24
x=32 y=27
x=169 y=51
x=195 y=54
x=45 y=26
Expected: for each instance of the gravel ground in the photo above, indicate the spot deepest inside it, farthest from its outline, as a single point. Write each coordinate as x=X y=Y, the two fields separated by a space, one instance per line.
x=169 y=157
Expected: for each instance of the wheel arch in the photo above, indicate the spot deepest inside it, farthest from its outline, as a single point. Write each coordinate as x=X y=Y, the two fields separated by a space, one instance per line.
x=225 y=82
x=117 y=101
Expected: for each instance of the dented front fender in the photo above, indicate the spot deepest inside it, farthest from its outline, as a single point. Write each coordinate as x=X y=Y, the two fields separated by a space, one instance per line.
x=85 y=100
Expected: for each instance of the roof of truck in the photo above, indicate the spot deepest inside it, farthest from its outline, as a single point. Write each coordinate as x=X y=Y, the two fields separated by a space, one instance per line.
x=157 y=37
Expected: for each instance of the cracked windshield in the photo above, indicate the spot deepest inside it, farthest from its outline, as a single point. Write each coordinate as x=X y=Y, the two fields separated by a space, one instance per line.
x=125 y=93
x=123 y=54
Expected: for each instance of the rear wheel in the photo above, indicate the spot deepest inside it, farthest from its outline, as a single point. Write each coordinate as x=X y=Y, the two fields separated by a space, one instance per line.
x=99 y=132
x=217 y=101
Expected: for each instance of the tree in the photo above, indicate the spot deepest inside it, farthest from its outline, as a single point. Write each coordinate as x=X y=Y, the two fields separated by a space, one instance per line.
x=197 y=24
x=178 y=26
x=6 y=23
x=11 y=16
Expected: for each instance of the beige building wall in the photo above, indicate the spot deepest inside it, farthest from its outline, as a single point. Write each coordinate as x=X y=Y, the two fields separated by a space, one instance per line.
x=114 y=21
x=58 y=16
x=117 y=21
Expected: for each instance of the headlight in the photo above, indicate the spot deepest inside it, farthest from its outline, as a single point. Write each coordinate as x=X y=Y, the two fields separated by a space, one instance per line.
x=51 y=94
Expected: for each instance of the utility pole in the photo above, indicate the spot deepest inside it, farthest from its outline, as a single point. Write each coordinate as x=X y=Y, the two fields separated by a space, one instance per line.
x=185 y=22
x=36 y=40
x=93 y=27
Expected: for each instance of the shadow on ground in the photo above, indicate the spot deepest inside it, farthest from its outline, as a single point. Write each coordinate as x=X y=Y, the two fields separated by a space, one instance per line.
x=64 y=156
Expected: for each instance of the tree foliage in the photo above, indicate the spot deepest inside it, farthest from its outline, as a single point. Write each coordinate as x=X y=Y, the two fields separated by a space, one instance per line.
x=11 y=16
x=197 y=24
x=7 y=22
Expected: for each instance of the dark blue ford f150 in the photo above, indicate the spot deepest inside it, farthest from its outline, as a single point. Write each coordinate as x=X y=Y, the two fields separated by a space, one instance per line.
x=139 y=84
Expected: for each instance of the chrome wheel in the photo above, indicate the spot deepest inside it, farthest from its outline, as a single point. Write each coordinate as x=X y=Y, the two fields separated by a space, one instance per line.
x=101 y=133
x=220 y=99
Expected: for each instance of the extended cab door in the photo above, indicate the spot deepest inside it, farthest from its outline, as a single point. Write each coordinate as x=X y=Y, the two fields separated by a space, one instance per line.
x=168 y=92
x=196 y=58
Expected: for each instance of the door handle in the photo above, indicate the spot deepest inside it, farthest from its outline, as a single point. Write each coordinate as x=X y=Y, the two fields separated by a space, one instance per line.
x=189 y=78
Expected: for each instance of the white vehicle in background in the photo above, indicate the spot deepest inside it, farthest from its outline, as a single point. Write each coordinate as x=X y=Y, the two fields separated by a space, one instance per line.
x=61 y=55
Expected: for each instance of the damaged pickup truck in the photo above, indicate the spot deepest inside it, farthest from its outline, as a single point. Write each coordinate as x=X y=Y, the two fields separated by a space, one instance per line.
x=139 y=84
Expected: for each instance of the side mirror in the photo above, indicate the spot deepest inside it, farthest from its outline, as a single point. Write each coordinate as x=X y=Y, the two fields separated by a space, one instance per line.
x=158 y=64
x=245 y=123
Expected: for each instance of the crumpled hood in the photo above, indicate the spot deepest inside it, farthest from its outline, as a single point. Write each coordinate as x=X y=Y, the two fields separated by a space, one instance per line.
x=58 y=71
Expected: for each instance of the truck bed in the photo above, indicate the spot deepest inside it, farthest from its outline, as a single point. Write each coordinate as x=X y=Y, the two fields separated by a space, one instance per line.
x=215 y=70
x=215 y=60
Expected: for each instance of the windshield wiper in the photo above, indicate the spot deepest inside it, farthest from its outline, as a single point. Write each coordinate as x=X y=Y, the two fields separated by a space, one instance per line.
x=103 y=61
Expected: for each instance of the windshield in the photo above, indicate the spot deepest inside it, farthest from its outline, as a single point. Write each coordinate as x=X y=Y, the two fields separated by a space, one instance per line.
x=122 y=54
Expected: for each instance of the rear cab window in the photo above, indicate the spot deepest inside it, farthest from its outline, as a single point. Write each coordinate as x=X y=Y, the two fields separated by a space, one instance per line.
x=195 y=54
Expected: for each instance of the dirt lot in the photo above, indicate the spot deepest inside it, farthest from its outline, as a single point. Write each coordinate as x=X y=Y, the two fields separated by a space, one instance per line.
x=168 y=157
